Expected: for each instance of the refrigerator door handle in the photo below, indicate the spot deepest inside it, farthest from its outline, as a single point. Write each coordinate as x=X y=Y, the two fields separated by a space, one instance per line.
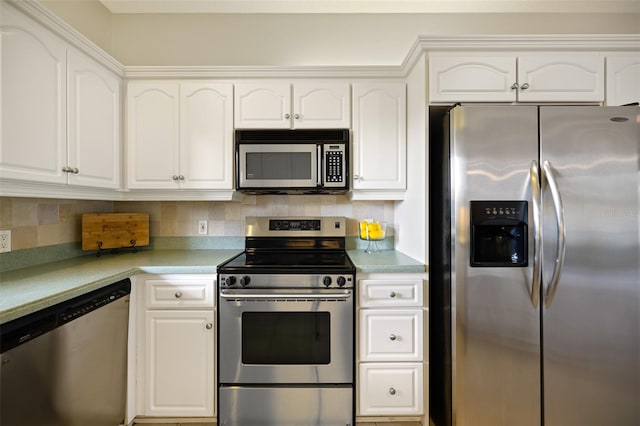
x=550 y=179
x=534 y=177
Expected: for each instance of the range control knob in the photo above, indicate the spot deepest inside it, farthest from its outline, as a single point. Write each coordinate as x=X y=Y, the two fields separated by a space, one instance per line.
x=230 y=281
x=326 y=281
x=244 y=281
x=341 y=281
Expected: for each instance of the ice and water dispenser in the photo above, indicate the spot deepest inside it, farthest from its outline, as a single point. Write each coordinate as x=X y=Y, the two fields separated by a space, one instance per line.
x=499 y=233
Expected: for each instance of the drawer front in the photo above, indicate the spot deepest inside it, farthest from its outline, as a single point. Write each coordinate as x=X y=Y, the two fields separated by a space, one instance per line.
x=390 y=293
x=179 y=293
x=390 y=389
x=391 y=335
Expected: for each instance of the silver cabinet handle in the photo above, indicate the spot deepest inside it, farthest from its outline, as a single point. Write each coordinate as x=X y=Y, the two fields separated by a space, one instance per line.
x=525 y=86
x=393 y=294
x=356 y=177
x=178 y=294
x=287 y=116
x=392 y=391
x=550 y=180
x=534 y=178
x=392 y=337
x=75 y=171
x=66 y=169
x=175 y=177
x=514 y=86
x=209 y=326
x=181 y=177
x=296 y=116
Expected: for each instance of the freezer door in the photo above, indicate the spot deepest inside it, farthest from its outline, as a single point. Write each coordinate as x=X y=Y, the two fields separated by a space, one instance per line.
x=495 y=322
x=592 y=323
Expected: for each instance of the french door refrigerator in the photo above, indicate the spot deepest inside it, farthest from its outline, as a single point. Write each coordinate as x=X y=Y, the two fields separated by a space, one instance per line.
x=534 y=266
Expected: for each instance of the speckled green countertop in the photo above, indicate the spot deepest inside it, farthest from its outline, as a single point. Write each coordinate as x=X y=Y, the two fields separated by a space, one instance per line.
x=28 y=290
x=385 y=261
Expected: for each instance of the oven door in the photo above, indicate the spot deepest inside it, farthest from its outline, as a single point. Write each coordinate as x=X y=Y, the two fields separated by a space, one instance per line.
x=278 y=166
x=286 y=336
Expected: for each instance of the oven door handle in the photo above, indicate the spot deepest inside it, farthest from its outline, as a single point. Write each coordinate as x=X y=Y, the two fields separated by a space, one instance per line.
x=285 y=296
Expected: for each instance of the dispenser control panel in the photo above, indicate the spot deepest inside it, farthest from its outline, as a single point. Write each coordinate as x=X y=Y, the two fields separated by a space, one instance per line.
x=499 y=233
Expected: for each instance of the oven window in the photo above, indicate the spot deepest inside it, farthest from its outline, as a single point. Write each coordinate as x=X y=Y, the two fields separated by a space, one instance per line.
x=286 y=338
x=278 y=165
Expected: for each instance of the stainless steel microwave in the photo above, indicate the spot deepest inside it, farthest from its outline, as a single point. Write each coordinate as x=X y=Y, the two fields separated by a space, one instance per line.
x=292 y=161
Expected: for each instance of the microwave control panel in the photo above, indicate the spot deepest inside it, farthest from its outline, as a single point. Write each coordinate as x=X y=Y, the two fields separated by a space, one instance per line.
x=334 y=164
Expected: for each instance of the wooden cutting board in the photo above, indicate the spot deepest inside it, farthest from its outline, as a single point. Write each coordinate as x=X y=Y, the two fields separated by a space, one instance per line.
x=114 y=230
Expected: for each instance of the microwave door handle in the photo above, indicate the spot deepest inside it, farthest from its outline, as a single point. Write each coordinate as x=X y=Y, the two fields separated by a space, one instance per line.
x=319 y=171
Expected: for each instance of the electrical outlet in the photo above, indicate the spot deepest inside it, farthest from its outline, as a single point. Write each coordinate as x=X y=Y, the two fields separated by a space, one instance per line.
x=5 y=241
x=202 y=227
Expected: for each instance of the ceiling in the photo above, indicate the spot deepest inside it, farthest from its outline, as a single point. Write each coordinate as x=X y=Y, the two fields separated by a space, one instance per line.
x=372 y=6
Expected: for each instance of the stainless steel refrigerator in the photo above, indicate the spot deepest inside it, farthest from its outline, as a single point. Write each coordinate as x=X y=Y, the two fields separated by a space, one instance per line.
x=534 y=266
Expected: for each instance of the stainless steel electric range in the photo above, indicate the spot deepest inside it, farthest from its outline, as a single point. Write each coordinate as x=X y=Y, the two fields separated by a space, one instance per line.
x=286 y=326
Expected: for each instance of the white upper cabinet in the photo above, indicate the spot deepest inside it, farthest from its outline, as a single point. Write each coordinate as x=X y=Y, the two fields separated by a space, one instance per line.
x=623 y=79
x=379 y=140
x=321 y=105
x=299 y=105
x=206 y=135
x=34 y=101
x=179 y=135
x=561 y=78
x=152 y=135
x=473 y=77
x=60 y=110
x=94 y=123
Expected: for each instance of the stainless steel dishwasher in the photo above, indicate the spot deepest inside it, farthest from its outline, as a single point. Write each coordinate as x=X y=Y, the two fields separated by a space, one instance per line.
x=66 y=365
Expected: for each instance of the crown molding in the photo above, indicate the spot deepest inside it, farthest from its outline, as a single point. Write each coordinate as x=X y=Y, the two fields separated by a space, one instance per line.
x=249 y=72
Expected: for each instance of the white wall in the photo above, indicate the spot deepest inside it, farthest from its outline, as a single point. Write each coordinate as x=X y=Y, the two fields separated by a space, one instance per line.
x=411 y=214
x=321 y=39
x=302 y=39
x=89 y=17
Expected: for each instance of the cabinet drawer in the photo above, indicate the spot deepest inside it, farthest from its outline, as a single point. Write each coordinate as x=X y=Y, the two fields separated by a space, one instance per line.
x=391 y=335
x=391 y=389
x=387 y=293
x=179 y=293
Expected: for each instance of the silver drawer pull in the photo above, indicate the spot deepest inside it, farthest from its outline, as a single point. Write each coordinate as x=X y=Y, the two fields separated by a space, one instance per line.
x=392 y=391
x=393 y=337
x=393 y=294
x=209 y=326
x=178 y=294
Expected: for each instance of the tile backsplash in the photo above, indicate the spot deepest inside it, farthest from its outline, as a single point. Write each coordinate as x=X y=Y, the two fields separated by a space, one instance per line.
x=37 y=222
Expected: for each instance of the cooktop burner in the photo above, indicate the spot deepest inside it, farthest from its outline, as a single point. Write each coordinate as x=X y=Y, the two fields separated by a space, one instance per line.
x=292 y=246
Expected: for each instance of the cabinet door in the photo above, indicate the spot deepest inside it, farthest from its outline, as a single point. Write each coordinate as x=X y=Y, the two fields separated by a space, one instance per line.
x=472 y=78
x=387 y=389
x=391 y=335
x=263 y=105
x=93 y=123
x=561 y=78
x=179 y=367
x=34 y=101
x=152 y=135
x=379 y=136
x=623 y=79
x=206 y=135
x=319 y=105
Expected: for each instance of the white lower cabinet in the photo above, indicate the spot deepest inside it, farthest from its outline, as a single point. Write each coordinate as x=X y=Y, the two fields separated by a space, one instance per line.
x=391 y=388
x=392 y=345
x=176 y=351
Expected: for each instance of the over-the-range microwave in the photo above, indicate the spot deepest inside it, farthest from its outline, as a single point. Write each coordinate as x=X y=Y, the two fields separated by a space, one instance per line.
x=292 y=161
